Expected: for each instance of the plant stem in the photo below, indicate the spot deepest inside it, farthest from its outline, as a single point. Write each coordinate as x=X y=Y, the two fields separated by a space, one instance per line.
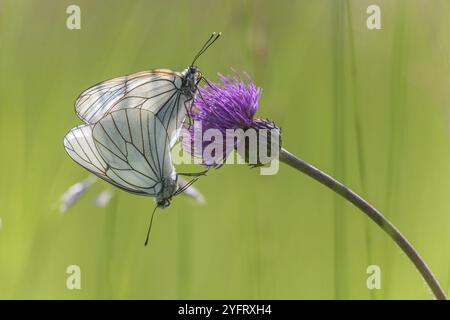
x=371 y=212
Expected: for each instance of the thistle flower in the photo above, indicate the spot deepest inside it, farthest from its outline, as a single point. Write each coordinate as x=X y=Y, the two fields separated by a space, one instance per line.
x=224 y=107
x=233 y=105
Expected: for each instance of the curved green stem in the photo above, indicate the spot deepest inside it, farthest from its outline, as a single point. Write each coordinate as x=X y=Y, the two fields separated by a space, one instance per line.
x=372 y=213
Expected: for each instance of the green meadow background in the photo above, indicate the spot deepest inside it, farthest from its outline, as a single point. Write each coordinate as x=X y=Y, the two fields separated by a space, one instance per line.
x=370 y=107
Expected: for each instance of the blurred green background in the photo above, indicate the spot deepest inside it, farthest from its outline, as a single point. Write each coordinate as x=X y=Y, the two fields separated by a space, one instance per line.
x=368 y=106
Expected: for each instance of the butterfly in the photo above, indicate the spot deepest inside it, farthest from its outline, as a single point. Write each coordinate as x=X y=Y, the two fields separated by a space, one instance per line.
x=131 y=123
x=168 y=94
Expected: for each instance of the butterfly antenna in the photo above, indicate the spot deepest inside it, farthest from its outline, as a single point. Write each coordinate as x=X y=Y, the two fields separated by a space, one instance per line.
x=214 y=36
x=150 y=226
x=205 y=44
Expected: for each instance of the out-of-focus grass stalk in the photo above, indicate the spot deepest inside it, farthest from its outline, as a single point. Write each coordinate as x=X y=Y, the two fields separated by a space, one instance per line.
x=397 y=105
x=372 y=213
x=358 y=129
x=259 y=51
x=339 y=147
x=185 y=229
x=106 y=262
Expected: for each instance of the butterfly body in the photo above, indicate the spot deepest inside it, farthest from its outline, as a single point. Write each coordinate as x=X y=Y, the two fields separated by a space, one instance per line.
x=191 y=77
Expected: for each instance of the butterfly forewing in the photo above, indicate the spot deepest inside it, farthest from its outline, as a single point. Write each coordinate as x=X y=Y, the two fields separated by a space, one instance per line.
x=96 y=101
x=157 y=91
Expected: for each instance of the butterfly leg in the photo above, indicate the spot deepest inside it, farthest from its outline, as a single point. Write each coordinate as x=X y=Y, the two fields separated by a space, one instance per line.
x=194 y=174
x=188 y=112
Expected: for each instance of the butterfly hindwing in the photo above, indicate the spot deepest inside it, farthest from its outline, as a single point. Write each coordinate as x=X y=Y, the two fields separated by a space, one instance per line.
x=80 y=146
x=135 y=145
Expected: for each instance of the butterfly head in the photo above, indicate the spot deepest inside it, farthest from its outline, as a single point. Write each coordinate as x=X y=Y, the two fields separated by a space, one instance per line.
x=163 y=203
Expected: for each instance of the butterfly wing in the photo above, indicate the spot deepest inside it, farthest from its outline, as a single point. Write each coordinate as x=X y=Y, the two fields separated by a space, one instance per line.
x=158 y=91
x=80 y=146
x=135 y=145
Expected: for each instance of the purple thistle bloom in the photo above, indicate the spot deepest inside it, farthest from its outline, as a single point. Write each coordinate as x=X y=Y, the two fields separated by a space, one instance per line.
x=231 y=104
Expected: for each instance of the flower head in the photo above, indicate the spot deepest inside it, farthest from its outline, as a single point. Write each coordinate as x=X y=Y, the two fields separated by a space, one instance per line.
x=224 y=107
x=230 y=105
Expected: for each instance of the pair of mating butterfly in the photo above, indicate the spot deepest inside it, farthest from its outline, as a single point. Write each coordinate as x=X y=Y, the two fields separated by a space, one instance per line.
x=131 y=124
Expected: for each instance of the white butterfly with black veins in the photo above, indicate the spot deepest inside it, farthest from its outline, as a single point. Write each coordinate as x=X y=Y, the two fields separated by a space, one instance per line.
x=131 y=124
x=166 y=93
